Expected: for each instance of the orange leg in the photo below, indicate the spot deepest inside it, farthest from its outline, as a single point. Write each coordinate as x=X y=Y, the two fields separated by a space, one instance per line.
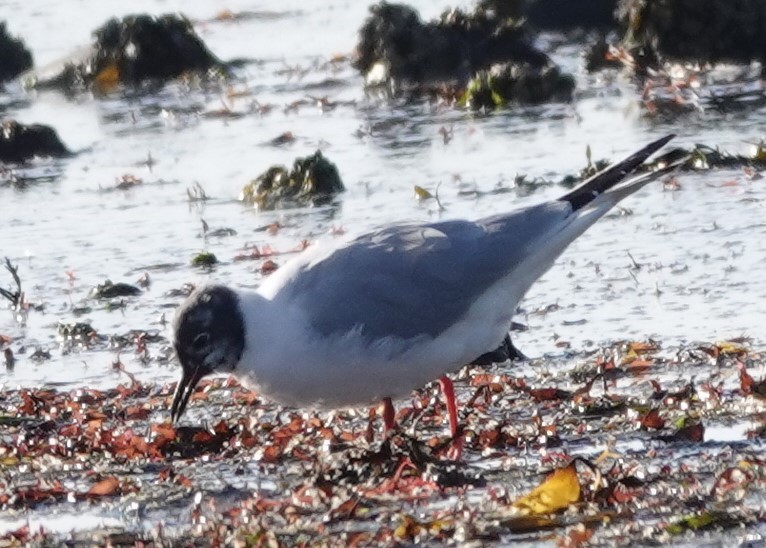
x=456 y=451
x=449 y=394
x=389 y=415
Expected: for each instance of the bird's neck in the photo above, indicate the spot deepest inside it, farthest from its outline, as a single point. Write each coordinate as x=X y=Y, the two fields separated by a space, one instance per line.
x=269 y=327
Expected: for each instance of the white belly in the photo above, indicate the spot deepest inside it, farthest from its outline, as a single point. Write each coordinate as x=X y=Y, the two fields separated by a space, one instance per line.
x=336 y=372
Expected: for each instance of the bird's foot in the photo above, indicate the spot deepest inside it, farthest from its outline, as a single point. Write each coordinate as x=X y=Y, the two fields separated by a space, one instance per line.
x=455 y=448
x=389 y=415
x=448 y=389
x=455 y=451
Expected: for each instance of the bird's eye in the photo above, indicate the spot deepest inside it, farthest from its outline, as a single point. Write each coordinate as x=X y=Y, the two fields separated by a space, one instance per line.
x=200 y=341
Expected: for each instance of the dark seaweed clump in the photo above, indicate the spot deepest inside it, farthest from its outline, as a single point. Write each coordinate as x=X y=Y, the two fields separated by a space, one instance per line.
x=314 y=180
x=708 y=31
x=15 y=58
x=137 y=49
x=450 y=49
x=142 y=47
x=19 y=142
x=566 y=15
x=111 y=290
x=204 y=259
x=518 y=83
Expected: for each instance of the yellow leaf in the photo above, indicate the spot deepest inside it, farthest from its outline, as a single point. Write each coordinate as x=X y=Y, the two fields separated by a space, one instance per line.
x=422 y=193
x=9 y=461
x=105 y=487
x=557 y=492
x=634 y=354
x=642 y=347
x=225 y=15
x=408 y=529
x=759 y=151
x=108 y=78
x=629 y=357
x=727 y=347
x=437 y=526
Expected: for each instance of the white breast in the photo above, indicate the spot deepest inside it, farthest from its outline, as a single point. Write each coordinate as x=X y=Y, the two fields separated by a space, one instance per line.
x=287 y=362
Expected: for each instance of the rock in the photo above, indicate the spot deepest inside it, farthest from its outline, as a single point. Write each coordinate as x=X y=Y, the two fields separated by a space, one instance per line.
x=138 y=49
x=19 y=143
x=314 y=180
x=396 y=46
x=707 y=31
x=520 y=84
x=15 y=58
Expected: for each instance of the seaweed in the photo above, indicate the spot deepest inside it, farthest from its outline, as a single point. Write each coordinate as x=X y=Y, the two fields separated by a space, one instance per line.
x=313 y=180
x=136 y=50
x=15 y=58
x=449 y=50
x=19 y=142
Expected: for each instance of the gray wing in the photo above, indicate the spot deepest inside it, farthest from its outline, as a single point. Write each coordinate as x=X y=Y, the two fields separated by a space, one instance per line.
x=411 y=280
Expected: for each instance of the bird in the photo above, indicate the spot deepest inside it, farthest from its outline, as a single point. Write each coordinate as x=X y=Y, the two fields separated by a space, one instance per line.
x=371 y=318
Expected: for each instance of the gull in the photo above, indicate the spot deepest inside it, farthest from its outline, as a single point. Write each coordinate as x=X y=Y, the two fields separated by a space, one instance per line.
x=352 y=323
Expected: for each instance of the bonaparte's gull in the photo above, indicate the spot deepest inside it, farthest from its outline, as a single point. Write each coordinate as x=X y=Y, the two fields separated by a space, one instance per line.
x=352 y=323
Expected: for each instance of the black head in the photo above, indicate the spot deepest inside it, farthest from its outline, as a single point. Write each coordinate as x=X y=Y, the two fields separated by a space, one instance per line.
x=209 y=336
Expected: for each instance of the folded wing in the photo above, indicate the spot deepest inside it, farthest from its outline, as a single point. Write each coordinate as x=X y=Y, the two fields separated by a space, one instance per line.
x=407 y=281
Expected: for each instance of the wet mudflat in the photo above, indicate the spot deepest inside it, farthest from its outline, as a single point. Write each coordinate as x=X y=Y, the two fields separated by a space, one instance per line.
x=668 y=433
x=652 y=454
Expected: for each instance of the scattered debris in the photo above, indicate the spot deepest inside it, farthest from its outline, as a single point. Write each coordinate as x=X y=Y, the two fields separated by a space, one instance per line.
x=222 y=232
x=128 y=181
x=15 y=297
x=196 y=193
x=110 y=290
x=9 y=358
x=282 y=139
x=116 y=445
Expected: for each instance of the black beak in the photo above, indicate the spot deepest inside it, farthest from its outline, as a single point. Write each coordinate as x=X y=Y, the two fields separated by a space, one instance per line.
x=189 y=380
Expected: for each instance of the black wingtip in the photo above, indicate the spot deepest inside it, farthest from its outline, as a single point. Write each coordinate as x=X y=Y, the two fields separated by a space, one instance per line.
x=661 y=142
x=606 y=179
